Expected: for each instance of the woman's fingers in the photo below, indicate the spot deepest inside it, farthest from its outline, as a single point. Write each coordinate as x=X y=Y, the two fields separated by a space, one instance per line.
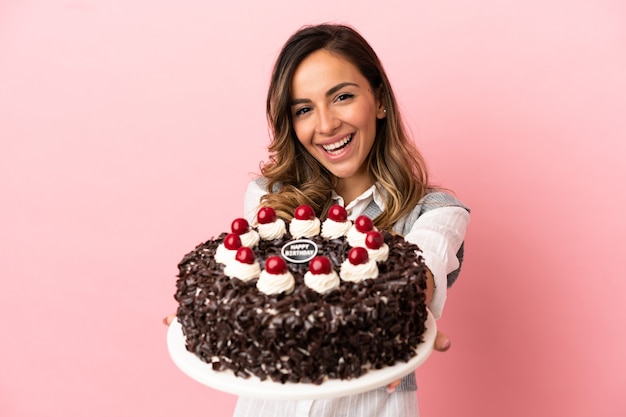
x=442 y=342
x=167 y=320
x=392 y=386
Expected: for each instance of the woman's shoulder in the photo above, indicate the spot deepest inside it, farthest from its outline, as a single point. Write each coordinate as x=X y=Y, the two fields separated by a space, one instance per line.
x=260 y=184
x=435 y=198
x=432 y=200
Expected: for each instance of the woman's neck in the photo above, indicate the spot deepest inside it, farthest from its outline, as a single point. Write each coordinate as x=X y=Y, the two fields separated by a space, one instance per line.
x=350 y=188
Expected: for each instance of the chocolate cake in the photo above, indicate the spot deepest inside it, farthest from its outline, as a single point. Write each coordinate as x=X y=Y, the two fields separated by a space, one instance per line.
x=297 y=333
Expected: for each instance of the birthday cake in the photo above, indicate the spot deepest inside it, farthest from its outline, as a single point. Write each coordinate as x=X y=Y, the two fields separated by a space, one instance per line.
x=304 y=301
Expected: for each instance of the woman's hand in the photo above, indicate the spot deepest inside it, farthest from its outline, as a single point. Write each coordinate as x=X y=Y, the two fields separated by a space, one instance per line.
x=167 y=320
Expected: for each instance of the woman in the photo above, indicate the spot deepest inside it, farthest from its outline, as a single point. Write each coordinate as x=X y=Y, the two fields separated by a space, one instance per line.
x=338 y=138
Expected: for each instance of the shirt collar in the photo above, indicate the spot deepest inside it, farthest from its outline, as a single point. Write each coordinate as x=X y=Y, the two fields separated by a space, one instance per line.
x=363 y=200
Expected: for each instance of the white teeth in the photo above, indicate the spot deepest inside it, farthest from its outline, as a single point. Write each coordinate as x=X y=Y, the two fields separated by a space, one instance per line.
x=334 y=146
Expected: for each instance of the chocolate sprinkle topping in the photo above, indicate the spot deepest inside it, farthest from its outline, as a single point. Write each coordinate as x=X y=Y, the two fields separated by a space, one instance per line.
x=304 y=336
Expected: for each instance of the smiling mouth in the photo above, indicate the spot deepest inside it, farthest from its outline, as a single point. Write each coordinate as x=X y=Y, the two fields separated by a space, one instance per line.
x=336 y=147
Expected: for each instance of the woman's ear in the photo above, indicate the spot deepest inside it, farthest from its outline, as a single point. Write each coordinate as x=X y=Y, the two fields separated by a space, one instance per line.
x=381 y=110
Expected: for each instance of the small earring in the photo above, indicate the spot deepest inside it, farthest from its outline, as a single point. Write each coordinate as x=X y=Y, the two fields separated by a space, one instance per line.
x=384 y=110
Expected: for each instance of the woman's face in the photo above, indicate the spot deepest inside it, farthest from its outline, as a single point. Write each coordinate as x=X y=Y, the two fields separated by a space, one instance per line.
x=334 y=115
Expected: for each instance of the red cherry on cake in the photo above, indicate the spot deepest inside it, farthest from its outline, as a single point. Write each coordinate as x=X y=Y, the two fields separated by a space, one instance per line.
x=304 y=213
x=266 y=215
x=245 y=255
x=363 y=224
x=320 y=265
x=240 y=226
x=337 y=213
x=232 y=241
x=374 y=239
x=358 y=256
x=275 y=265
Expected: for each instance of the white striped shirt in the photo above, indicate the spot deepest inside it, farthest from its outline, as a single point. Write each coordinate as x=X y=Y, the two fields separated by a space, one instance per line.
x=372 y=403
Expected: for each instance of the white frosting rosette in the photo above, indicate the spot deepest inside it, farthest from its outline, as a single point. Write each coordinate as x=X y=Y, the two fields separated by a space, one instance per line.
x=276 y=283
x=376 y=247
x=322 y=283
x=304 y=228
x=358 y=273
x=321 y=277
x=332 y=229
x=276 y=277
x=244 y=267
x=358 y=266
x=357 y=233
x=269 y=226
x=224 y=255
x=304 y=223
x=356 y=238
x=242 y=271
x=379 y=255
x=271 y=231
x=250 y=238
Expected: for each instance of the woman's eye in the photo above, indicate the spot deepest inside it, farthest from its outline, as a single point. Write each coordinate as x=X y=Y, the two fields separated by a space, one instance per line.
x=302 y=111
x=344 y=96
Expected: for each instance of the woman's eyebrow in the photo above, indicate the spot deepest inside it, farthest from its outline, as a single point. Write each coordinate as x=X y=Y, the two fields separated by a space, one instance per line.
x=330 y=92
x=339 y=87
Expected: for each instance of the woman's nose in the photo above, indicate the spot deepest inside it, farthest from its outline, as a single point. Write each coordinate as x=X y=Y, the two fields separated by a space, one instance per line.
x=327 y=121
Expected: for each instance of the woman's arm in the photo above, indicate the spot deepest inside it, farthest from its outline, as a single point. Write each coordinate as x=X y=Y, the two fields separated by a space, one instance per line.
x=439 y=233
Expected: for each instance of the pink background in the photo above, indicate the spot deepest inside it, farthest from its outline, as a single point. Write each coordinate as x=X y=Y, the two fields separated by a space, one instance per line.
x=129 y=130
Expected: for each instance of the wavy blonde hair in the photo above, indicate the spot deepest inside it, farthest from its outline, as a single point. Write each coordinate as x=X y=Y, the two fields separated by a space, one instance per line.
x=295 y=177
